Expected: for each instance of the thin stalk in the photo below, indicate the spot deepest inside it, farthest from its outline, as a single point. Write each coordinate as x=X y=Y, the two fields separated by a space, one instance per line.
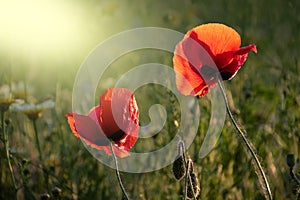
x=5 y=141
x=250 y=148
x=294 y=177
x=118 y=173
x=182 y=151
x=37 y=141
x=188 y=179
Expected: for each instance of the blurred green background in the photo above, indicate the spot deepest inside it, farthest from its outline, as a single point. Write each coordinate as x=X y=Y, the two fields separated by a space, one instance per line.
x=43 y=43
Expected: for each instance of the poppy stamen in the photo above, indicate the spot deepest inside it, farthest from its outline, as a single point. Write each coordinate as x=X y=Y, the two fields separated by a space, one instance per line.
x=116 y=136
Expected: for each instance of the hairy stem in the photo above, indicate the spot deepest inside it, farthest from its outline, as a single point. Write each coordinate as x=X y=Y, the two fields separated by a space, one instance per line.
x=188 y=179
x=293 y=176
x=118 y=173
x=247 y=142
x=37 y=141
x=7 y=154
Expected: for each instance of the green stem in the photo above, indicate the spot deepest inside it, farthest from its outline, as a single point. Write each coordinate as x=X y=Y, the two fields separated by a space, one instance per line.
x=118 y=173
x=250 y=148
x=182 y=151
x=37 y=141
x=6 y=145
x=188 y=179
x=45 y=172
x=294 y=177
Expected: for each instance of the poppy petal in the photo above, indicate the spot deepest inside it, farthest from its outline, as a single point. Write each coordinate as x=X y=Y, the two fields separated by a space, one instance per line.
x=71 y=122
x=118 y=151
x=86 y=128
x=238 y=59
x=108 y=118
x=94 y=114
x=118 y=110
x=189 y=57
x=119 y=114
x=128 y=140
x=205 y=50
x=218 y=38
x=115 y=119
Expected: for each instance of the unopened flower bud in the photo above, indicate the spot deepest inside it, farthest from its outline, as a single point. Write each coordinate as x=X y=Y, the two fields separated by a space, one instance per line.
x=179 y=168
x=190 y=163
x=195 y=186
x=45 y=196
x=56 y=191
x=24 y=161
x=26 y=172
x=290 y=160
x=7 y=121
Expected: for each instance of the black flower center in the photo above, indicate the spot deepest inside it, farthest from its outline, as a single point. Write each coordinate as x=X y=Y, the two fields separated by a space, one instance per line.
x=116 y=136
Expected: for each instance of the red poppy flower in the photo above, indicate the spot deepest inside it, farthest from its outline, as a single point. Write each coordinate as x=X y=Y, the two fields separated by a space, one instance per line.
x=116 y=119
x=204 y=51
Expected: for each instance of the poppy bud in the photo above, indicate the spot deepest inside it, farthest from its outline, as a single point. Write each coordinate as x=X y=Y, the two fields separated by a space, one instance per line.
x=56 y=191
x=195 y=186
x=24 y=161
x=190 y=163
x=179 y=168
x=7 y=121
x=290 y=160
x=45 y=196
x=26 y=172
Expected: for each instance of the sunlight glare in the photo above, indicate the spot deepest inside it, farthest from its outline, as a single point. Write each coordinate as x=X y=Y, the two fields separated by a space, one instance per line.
x=37 y=25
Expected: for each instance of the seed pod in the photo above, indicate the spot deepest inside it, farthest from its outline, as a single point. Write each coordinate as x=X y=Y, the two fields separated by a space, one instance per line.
x=26 y=172
x=190 y=163
x=45 y=196
x=290 y=160
x=7 y=121
x=179 y=168
x=195 y=184
x=56 y=191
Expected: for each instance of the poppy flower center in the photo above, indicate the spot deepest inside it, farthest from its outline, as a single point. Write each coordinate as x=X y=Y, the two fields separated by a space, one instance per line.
x=116 y=136
x=211 y=73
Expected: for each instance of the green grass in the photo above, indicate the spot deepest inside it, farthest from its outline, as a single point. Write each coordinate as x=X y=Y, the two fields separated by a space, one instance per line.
x=266 y=92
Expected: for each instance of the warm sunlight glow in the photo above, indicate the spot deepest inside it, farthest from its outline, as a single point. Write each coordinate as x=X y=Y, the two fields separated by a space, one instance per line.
x=37 y=25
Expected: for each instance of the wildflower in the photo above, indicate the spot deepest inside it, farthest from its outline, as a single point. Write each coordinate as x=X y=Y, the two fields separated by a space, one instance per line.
x=21 y=90
x=5 y=103
x=116 y=119
x=33 y=111
x=206 y=50
x=5 y=98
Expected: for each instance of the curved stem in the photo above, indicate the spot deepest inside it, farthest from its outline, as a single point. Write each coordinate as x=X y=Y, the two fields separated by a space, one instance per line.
x=182 y=151
x=5 y=141
x=250 y=148
x=118 y=173
x=37 y=141
x=294 y=177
